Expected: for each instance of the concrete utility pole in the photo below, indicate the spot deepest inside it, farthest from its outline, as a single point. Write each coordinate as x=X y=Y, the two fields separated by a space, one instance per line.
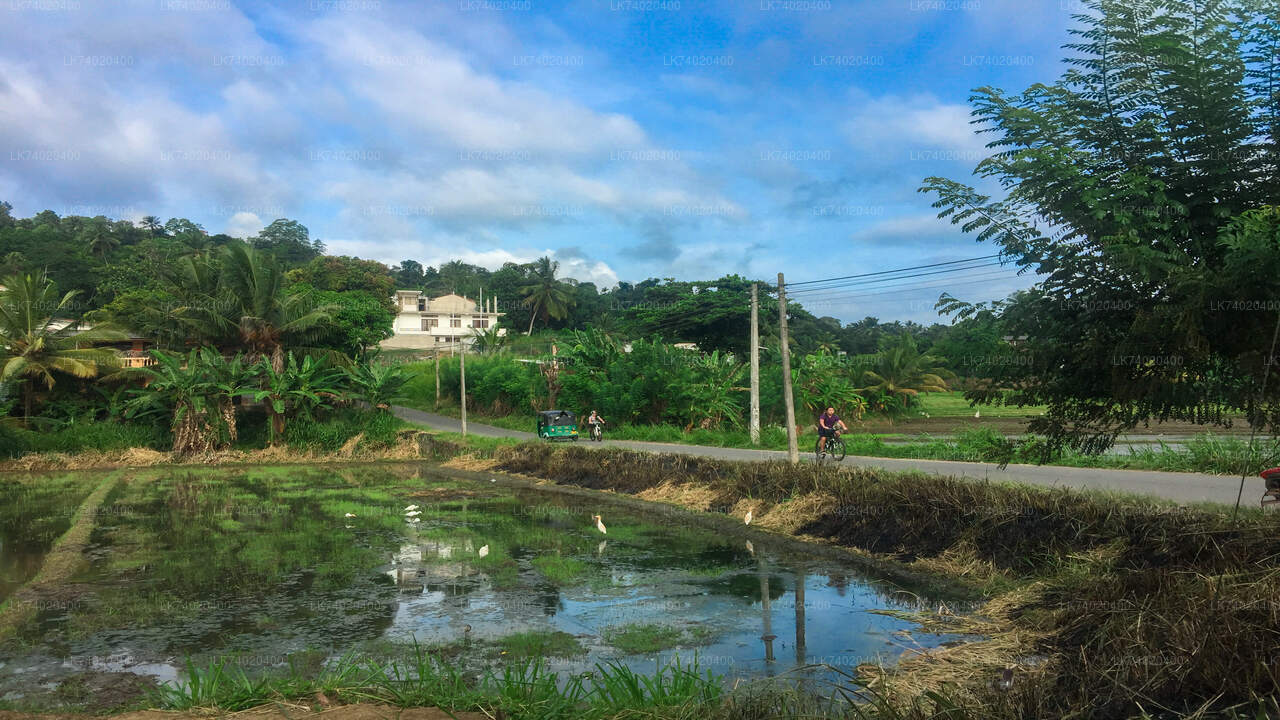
x=437 y=364
x=462 y=373
x=793 y=448
x=753 y=424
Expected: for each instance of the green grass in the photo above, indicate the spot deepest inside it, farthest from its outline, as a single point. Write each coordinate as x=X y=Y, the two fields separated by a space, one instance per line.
x=952 y=404
x=642 y=638
x=541 y=643
x=558 y=569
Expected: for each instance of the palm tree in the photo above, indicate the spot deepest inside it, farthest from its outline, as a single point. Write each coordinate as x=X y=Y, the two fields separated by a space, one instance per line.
x=488 y=340
x=902 y=371
x=99 y=239
x=252 y=309
x=38 y=340
x=152 y=223
x=544 y=294
x=377 y=384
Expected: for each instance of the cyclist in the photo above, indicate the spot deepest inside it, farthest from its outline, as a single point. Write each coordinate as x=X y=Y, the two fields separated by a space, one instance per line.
x=596 y=423
x=829 y=426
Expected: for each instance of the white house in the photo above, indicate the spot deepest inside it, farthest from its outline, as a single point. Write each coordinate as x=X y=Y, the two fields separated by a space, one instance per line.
x=441 y=322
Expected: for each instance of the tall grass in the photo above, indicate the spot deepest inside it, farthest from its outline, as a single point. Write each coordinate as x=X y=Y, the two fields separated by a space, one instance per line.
x=523 y=689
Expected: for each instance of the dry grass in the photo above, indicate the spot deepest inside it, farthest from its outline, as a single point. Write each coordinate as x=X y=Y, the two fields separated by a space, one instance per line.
x=686 y=495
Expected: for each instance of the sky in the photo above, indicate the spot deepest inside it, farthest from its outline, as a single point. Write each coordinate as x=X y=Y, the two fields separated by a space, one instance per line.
x=626 y=139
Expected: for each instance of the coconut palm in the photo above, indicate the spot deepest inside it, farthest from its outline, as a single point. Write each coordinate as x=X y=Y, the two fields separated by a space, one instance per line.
x=252 y=310
x=902 y=372
x=544 y=294
x=38 y=340
x=152 y=223
x=379 y=385
x=98 y=237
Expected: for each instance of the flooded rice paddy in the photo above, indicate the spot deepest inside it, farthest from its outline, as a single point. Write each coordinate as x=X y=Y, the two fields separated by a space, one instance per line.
x=271 y=567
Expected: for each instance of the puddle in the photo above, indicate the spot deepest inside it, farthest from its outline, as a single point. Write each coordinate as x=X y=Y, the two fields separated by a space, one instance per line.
x=270 y=566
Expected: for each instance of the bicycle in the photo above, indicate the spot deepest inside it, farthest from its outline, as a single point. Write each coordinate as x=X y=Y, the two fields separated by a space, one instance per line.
x=835 y=448
x=597 y=433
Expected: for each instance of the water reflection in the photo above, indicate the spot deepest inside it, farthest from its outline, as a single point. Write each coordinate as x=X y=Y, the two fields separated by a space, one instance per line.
x=484 y=562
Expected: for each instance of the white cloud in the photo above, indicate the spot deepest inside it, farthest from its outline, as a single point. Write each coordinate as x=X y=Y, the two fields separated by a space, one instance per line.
x=922 y=123
x=244 y=225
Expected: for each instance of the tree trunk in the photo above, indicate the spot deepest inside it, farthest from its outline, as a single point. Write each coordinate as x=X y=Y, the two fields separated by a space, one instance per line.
x=533 y=314
x=28 y=402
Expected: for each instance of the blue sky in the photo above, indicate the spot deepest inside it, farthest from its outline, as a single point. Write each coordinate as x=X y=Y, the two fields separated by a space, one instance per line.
x=627 y=138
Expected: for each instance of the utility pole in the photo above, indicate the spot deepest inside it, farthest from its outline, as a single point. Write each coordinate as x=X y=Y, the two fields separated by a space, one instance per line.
x=437 y=364
x=462 y=373
x=793 y=448
x=753 y=424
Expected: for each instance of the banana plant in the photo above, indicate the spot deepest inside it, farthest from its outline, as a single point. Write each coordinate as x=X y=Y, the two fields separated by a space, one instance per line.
x=297 y=390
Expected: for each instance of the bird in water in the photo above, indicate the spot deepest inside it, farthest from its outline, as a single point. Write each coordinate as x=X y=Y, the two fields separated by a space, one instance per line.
x=751 y=548
x=349 y=515
x=600 y=524
x=747 y=520
x=410 y=508
x=600 y=548
x=483 y=551
x=1006 y=680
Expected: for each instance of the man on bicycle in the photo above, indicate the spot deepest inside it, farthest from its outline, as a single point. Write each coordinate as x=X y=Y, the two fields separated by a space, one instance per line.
x=596 y=424
x=829 y=426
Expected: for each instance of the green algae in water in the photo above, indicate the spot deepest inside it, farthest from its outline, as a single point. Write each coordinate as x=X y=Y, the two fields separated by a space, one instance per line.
x=265 y=565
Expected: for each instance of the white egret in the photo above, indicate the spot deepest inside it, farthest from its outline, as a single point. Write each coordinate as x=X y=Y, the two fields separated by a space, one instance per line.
x=747 y=520
x=349 y=515
x=751 y=548
x=414 y=520
x=978 y=414
x=600 y=524
x=412 y=513
x=484 y=551
x=410 y=507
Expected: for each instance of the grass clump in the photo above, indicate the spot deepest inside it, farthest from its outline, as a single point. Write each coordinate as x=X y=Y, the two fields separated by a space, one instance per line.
x=541 y=643
x=559 y=569
x=638 y=638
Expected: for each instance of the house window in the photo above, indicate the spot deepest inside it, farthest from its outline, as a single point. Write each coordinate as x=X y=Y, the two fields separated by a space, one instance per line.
x=430 y=322
x=455 y=322
x=479 y=323
x=422 y=304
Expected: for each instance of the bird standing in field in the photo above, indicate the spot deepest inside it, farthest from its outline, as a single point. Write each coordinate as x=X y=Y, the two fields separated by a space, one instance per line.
x=483 y=551
x=349 y=515
x=600 y=524
x=978 y=414
x=747 y=520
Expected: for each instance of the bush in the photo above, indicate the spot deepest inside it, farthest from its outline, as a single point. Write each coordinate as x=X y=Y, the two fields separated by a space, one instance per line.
x=78 y=437
x=331 y=433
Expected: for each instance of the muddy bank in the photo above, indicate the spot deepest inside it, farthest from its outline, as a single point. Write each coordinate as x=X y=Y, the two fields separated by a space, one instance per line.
x=1097 y=606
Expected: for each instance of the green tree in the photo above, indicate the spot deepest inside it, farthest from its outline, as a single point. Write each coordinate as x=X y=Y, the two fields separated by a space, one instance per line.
x=544 y=295
x=152 y=224
x=98 y=238
x=250 y=308
x=289 y=242
x=183 y=389
x=1129 y=184
x=40 y=339
x=902 y=372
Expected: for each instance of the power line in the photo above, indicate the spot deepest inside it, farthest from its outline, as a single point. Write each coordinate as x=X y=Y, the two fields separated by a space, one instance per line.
x=873 y=282
x=888 y=272
x=905 y=289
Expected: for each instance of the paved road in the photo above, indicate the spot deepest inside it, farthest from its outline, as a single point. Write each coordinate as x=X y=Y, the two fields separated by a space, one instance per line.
x=1180 y=487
